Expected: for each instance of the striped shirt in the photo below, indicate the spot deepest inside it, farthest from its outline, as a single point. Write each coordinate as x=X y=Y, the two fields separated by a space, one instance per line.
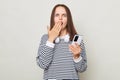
x=58 y=62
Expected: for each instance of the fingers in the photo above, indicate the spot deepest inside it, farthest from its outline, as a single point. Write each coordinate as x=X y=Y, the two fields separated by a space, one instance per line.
x=76 y=44
x=57 y=26
x=72 y=48
x=75 y=48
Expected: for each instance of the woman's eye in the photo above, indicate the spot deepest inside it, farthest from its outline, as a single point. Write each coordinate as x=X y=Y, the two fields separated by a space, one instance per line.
x=56 y=15
x=64 y=15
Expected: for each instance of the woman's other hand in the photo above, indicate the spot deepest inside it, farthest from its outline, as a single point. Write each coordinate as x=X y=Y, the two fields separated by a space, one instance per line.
x=76 y=50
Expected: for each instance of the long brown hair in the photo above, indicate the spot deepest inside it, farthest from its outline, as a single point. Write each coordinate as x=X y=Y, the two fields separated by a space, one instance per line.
x=70 y=26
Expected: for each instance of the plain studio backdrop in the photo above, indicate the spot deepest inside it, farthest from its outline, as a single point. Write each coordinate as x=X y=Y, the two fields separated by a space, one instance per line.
x=23 y=22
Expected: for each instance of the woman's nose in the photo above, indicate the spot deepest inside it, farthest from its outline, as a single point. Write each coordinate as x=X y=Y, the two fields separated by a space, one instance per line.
x=60 y=17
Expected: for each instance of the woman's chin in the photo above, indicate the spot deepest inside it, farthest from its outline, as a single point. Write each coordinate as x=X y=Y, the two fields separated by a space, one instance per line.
x=63 y=28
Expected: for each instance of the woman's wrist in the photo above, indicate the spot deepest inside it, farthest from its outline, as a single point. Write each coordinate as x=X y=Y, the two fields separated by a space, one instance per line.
x=76 y=56
x=51 y=40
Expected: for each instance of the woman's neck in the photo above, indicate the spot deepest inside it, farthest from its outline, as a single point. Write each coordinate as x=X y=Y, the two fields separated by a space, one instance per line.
x=63 y=32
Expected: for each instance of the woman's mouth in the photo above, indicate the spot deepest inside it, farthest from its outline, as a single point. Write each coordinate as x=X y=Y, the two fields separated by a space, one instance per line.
x=61 y=23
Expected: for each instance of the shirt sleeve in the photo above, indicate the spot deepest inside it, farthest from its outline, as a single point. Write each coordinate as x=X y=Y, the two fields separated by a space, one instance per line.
x=45 y=53
x=81 y=65
x=50 y=44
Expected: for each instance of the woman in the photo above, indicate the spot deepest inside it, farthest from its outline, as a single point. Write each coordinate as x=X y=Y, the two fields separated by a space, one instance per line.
x=59 y=59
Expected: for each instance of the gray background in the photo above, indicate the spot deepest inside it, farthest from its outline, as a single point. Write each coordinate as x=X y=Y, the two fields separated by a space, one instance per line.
x=23 y=22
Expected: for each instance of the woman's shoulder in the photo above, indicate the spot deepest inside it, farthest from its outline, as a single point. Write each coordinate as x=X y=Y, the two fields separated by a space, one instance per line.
x=44 y=36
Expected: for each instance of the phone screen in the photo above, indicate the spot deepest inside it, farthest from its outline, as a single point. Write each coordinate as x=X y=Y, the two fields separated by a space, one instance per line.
x=76 y=38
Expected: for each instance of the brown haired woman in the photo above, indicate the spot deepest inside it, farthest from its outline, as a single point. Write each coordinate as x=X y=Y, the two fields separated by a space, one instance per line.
x=59 y=59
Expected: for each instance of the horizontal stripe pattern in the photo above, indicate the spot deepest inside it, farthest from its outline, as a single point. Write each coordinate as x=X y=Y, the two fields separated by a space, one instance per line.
x=58 y=62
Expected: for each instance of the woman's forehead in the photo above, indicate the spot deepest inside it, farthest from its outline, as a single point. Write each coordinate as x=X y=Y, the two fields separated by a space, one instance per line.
x=60 y=9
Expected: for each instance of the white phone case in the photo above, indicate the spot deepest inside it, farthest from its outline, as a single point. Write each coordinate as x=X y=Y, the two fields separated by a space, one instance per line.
x=77 y=39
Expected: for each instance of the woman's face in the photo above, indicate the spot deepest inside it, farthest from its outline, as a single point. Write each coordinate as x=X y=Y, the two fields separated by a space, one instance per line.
x=61 y=16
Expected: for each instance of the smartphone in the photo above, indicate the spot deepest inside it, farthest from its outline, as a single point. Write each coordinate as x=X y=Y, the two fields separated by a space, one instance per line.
x=77 y=39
